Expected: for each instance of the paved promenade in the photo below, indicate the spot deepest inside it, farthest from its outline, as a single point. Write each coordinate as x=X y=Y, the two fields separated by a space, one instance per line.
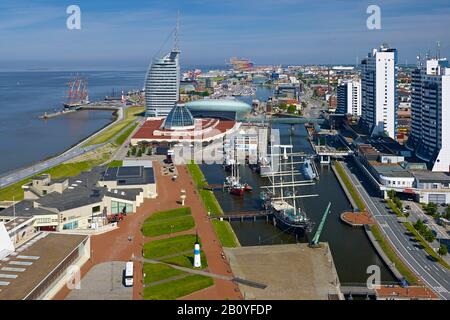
x=115 y=245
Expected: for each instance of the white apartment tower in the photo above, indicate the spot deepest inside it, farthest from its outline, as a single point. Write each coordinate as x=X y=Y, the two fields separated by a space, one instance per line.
x=379 y=92
x=349 y=97
x=430 y=111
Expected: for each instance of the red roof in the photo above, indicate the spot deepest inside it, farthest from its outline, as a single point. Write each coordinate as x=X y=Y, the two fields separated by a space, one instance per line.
x=205 y=128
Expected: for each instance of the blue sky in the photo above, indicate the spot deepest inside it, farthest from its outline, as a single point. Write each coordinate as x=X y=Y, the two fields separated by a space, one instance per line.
x=131 y=32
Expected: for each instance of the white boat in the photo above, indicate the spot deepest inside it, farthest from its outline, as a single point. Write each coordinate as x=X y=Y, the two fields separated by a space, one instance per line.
x=308 y=170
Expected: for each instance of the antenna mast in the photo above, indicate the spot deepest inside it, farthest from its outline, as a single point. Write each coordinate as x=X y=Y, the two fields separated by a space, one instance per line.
x=176 y=44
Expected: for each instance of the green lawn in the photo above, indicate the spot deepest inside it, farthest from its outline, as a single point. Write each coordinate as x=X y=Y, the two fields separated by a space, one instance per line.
x=131 y=114
x=13 y=191
x=225 y=234
x=401 y=267
x=177 y=288
x=187 y=260
x=165 y=247
x=166 y=222
x=157 y=272
x=123 y=136
x=115 y=163
x=207 y=196
x=350 y=187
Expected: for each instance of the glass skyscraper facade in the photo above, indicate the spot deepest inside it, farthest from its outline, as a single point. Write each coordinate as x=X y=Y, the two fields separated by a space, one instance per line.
x=162 y=85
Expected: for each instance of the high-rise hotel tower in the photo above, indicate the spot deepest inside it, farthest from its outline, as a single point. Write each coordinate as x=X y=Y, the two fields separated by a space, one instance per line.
x=378 y=91
x=430 y=111
x=162 y=85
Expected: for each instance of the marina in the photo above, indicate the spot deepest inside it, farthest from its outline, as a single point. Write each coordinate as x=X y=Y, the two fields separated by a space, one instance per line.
x=347 y=244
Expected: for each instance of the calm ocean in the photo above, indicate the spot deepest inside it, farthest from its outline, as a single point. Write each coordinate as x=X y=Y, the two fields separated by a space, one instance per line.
x=25 y=95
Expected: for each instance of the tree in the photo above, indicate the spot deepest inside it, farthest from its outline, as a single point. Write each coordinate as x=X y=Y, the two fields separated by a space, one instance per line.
x=430 y=209
x=139 y=153
x=443 y=250
x=292 y=109
x=447 y=213
x=391 y=194
x=128 y=153
x=428 y=235
x=398 y=203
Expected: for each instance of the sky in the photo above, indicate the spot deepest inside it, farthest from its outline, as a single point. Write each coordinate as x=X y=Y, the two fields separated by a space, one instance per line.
x=33 y=33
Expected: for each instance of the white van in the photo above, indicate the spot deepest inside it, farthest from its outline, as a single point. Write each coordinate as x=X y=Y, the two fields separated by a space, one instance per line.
x=129 y=274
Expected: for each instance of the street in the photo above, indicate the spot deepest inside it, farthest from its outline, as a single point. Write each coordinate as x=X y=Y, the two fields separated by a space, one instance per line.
x=430 y=272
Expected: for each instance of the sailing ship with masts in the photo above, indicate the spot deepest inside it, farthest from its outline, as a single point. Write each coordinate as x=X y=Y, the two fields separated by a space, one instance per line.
x=280 y=197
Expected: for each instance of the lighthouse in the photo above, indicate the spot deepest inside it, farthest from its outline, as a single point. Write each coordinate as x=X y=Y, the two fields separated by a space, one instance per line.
x=197 y=257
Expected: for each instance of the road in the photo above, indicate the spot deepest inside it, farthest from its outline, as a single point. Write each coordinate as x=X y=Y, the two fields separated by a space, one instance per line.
x=430 y=272
x=314 y=106
x=21 y=174
x=418 y=213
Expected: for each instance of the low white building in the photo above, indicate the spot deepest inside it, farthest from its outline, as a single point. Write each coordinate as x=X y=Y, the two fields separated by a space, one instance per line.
x=432 y=186
x=84 y=201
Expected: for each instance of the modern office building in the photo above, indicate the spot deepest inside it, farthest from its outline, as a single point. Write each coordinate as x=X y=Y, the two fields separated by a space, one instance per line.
x=349 y=97
x=430 y=111
x=378 y=91
x=162 y=85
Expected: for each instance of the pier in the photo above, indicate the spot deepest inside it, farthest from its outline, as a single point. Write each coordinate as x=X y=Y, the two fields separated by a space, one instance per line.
x=243 y=215
x=93 y=106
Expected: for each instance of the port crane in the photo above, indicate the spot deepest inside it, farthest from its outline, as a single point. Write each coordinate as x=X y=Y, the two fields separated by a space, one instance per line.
x=315 y=241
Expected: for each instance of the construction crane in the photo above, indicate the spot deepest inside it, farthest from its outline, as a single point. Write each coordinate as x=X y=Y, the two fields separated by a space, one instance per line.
x=315 y=241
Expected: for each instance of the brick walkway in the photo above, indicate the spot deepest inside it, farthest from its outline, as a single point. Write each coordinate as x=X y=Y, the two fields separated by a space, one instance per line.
x=114 y=245
x=357 y=218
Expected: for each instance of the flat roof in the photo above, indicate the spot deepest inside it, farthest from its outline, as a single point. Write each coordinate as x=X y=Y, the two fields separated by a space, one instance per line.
x=391 y=170
x=129 y=175
x=25 y=269
x=431 y=176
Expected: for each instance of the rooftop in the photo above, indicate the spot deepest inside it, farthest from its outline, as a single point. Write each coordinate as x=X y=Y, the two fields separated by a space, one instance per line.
x=219 y=105
x=205 y=129
x=391 y=170
x=129 y=175
x=35 y=260
x=179 y=118
x=431 y=176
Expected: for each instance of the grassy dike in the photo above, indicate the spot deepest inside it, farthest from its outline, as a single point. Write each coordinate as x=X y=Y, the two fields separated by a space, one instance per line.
x=64 y=170
x=351 y=189
x=223 y=229
x=71 y=169
x=130 y=116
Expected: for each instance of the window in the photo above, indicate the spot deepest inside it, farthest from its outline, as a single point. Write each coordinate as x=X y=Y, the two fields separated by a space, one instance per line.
x=96 y=209
x=71 y=225
x=121 y=207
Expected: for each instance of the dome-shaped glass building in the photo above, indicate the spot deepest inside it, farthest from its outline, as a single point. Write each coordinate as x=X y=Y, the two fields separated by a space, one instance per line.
x=179 y=118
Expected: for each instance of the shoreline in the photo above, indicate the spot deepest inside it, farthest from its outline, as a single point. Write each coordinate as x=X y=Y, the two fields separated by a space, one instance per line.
x=77 y=144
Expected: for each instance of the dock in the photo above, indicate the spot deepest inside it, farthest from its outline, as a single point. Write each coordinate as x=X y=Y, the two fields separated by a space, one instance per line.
x=243 y=215
x=291 y=272
x=93 y=106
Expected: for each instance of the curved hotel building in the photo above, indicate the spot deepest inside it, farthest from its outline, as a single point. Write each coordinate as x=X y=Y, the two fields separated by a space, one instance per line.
x=162 y=85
